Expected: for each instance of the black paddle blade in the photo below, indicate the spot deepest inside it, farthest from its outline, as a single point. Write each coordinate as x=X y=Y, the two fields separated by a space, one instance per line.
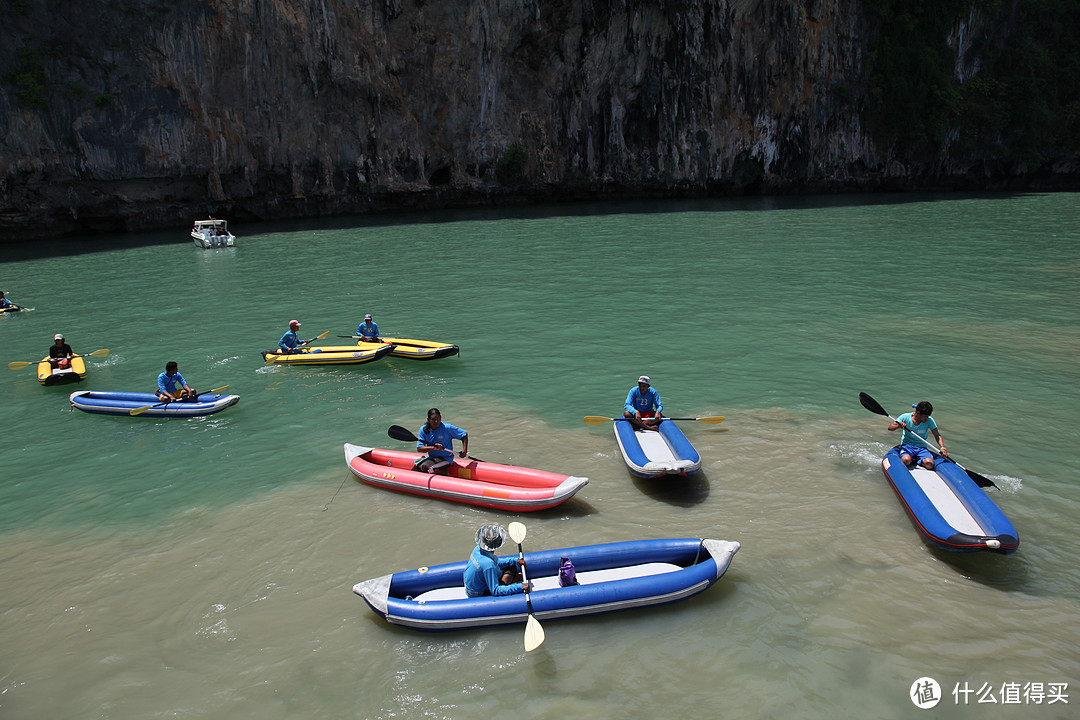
x=871 y=404
x=979 y=479
x=399 y=433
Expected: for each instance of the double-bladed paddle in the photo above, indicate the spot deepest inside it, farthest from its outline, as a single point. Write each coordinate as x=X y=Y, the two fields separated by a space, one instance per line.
x=405 y=435
x=103 y=352
x=534 y=633
x=144 y=408
x=274 y=354
x=875 y=407
x=597 y=420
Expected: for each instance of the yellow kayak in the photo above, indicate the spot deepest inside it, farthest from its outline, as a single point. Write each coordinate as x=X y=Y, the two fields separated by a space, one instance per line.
x=330 y=354
x=48 y=375
x=419 y=349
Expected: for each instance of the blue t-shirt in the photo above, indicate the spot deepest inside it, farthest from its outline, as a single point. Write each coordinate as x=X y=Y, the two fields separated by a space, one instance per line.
x=288 y=341
x=643 y=403
x=443 y=435
x=916 y=434
x=482 y=573
x=170 y=383
x=370 y=332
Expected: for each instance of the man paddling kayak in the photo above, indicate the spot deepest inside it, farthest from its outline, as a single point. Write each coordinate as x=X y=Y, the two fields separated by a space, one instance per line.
x=916 y=425
x=60 y=353
x=488 y=574
x=643 y=407
x=436 y=438
x=172 y=386
x=289 y=342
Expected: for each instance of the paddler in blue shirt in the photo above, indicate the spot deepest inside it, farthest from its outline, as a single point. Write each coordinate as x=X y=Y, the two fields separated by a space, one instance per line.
x=368 y=330
x=916 y=426
x=488 y=574
x=436 y=438
x=289 y=342
x=643 y=407
x=172 y=386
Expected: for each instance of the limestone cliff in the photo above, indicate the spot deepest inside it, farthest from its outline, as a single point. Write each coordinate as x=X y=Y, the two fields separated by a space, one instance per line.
x=122 y=114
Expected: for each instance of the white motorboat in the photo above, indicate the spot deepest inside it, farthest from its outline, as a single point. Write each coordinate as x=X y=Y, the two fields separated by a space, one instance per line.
x=212 y=234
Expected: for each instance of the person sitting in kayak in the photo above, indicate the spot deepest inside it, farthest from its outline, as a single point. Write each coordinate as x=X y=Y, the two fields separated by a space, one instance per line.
x=436 y=438
x=172 y=386
x=289 y=342
x=368 y=330
x=4 y=302
x=488 y=574
x=60 y=353
x=916 y=425
x=643 y=407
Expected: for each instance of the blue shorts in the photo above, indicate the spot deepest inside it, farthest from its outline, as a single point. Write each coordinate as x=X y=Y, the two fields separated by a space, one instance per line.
x=918 y=453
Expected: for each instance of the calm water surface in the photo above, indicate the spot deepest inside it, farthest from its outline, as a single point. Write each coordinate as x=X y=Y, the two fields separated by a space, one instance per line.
x=203 y=567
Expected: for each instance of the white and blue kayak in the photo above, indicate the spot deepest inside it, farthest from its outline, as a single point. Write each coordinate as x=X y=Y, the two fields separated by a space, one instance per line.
x=948 y=508
x=122 y=403
x=655 y=453
x=611 y=576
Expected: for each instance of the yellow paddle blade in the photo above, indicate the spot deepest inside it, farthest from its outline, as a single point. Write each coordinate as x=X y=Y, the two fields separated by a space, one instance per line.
x=597 y=420
x=712 y=420
x=20 y=365
x=534 y=634
x=103 y=352
x=320 y=337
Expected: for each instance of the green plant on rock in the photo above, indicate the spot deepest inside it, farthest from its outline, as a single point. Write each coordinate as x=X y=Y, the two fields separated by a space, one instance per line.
x=510 y=169
x=28 y=77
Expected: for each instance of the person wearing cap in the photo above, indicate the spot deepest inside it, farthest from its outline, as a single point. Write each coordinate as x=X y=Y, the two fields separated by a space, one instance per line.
x=368 y=330
x=917 y=424
x=289 y=342
x=488 y=574
x=171 y=385
x=60 y=353
x=643 y=407
x=436 y=438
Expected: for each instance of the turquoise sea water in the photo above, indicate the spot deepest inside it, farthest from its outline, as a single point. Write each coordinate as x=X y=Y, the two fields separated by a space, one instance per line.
x=203 y=567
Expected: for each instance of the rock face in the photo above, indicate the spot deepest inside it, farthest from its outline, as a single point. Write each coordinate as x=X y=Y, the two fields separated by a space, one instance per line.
x=153 y=112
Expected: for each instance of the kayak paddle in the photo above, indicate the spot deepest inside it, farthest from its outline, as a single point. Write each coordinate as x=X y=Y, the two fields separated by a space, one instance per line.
x=534 y=633
x=144 y=408
x=272 y=355
x=875 y=407
x=104 y=352
x=597 y=420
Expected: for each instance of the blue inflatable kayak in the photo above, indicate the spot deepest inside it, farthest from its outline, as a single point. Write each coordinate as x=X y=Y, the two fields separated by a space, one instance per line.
x=655 y=453
x=122 y=403
x=611 y=576
x=948 y=508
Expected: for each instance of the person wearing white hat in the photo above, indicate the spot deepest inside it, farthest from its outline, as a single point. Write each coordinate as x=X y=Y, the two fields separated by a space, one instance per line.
x=488 y=574
x=643 y=408
x=368 y=330
x=60 y=353
x=289 y=342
